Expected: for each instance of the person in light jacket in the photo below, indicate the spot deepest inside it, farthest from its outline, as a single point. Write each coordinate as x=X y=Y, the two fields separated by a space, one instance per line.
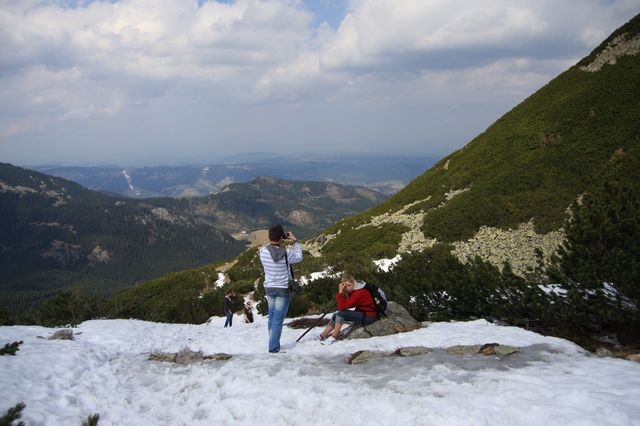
x=274 y=257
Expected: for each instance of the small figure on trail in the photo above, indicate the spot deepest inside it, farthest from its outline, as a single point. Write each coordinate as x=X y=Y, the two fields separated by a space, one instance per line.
x=228 y=310
x=276 y=260
x=248 y=312
x=351 y=294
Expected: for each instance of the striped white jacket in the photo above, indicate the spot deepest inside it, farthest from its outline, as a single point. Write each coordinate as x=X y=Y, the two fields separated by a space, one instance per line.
x=276 y=274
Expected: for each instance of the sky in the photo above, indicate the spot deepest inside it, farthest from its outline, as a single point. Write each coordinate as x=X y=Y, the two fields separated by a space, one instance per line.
x=167 y=81
x=105 y=370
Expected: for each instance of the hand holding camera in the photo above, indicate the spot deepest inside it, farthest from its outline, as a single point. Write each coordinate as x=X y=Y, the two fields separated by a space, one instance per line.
x=289 y=236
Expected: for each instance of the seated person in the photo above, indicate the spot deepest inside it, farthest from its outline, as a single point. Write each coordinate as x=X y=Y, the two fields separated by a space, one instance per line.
x=351 y=294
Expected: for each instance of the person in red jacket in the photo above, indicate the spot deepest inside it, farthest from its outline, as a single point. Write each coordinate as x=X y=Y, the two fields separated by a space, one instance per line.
x=351 y=294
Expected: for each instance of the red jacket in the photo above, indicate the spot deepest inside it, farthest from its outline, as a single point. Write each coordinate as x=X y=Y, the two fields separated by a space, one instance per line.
x=359 y=299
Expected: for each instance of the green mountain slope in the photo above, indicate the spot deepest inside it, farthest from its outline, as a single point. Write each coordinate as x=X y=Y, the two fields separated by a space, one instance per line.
x=530 y=165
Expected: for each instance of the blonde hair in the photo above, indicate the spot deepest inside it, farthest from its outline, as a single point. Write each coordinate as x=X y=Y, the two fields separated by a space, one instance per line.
x=348 y=277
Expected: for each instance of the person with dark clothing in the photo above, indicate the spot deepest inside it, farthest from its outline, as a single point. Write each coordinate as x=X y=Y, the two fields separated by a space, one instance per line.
x=228 y=309
x=248 y=312
x=351 y=294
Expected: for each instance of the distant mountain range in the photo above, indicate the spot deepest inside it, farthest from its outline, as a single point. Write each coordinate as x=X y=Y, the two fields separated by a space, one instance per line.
x=386 y=174
x=305 y=207
x=55 y=234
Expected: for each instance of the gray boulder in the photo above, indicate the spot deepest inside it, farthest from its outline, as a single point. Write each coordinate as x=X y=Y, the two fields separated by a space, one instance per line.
x=65 y=334
x=360 y=357
x=634 y=357
x=187 y=356
x=412 y=351
x=488 y=349
x=398 y=320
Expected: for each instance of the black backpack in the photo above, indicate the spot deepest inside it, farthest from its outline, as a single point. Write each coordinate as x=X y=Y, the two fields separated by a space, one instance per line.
x=379 y=299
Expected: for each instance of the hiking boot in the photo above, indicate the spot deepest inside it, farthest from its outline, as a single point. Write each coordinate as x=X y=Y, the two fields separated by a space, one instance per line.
x=329 y=340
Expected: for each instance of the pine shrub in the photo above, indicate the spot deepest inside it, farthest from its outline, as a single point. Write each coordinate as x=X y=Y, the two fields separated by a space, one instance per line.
x=14 y=413
x=11 y=348
x=92 y=420
x=600 y=264
x=67 y=307
x=436 y=286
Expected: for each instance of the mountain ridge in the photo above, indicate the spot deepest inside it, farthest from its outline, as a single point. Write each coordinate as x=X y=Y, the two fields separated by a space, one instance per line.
x=386 y=174
x=55 y=234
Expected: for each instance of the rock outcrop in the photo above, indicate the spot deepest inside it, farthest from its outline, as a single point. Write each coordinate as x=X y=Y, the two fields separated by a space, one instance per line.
x=619 y=46
x=398 y=320
x=64 y=334
x=517 y=246
x=488 y=349
x=187 y=356
x=634 y=357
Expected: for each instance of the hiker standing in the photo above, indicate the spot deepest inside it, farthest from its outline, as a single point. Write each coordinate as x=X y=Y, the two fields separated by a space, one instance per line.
x=351 y=294
x=276 y=258
x=248 y=312
x=228 y=310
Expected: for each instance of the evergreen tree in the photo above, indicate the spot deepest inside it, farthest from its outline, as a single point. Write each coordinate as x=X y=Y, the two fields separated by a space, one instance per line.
x=68 y=307
x=600 y=262
x=4 y=317
x=602 y=240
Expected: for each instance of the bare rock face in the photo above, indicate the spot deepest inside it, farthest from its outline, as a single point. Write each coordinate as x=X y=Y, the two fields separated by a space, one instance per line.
x=634 y=357
x=62 y=252
x=100 y=255
x=398 y=320
x=620 y=46
x=517 y=246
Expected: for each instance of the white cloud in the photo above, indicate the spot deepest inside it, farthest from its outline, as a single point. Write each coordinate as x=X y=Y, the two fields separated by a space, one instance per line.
x=394 y=38
x=253 y=59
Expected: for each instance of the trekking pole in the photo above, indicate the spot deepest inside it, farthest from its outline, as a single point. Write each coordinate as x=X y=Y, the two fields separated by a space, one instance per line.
x=317 y=322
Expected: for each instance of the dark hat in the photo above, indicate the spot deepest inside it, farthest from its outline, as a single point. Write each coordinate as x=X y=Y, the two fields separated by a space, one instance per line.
x=276 y=233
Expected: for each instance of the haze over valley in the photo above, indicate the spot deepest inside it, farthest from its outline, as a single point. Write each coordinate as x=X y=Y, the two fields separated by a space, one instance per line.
x=386 y=174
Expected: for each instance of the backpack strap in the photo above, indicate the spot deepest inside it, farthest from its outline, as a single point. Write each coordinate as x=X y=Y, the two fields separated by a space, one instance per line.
x=286 y=259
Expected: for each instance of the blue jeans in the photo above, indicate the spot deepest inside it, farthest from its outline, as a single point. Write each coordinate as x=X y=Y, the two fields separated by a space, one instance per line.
x=352 y=316
x=278 y=301
x=229 y=319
